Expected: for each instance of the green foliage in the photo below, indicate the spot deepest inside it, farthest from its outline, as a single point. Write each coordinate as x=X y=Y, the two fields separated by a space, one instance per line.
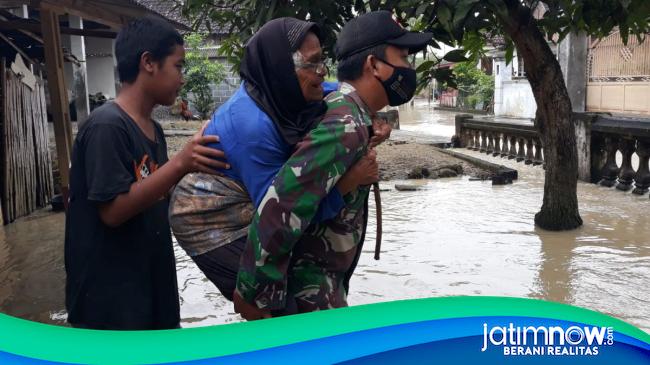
x=471 y=24
x=456 y=55
x=475 y=86
x=240 y=19
x=467 y=23
x=200 y=72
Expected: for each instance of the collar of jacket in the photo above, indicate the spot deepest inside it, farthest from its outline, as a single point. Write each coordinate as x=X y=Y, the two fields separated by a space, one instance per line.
x=349 y=90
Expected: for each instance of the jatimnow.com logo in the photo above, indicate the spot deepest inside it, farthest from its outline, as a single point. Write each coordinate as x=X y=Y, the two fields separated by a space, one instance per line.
x=547 y=340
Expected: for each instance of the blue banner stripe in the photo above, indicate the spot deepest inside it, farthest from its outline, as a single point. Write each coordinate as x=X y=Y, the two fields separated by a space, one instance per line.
x=368 y=343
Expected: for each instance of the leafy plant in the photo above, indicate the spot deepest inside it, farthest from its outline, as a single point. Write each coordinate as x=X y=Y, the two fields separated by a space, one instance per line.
x=200 y=74
x=475 y=86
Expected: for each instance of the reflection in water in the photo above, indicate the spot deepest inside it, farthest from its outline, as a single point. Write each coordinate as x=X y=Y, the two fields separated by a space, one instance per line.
x=554 y=279
x=454 y=237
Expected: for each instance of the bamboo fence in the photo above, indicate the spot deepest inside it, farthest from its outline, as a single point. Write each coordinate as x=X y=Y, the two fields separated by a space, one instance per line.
x=27 y=182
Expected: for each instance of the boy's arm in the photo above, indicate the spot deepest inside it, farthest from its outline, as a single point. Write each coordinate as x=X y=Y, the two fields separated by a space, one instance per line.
x=290 y=205
x=195 y=157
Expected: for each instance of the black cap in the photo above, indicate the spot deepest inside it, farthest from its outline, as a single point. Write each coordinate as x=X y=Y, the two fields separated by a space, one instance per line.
x=375 y=28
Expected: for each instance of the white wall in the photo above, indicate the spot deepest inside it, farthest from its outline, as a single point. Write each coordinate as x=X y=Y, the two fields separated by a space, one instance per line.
x=501 y=73
x=518 y=99
x=512 y=97
x=100 y=66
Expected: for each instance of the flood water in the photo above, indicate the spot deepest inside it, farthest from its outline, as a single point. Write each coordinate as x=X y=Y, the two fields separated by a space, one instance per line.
x=453 y=237
x=421 y=117
x=461 y=237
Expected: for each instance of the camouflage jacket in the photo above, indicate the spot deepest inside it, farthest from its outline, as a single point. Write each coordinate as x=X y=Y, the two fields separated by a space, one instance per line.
x=288 y=261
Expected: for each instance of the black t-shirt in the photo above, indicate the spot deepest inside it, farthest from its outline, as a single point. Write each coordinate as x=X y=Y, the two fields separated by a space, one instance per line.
x=124 y=277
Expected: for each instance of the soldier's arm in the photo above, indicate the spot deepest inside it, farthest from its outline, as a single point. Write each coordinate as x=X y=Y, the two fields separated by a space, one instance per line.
x=333 y=203
x=290 y=204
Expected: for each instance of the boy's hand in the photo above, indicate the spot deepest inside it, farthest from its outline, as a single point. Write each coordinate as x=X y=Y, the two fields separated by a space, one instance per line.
x=196 y=157
x=248 y=311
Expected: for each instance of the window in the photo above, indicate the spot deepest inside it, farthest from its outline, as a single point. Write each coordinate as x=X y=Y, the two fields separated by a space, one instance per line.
x=518 y=71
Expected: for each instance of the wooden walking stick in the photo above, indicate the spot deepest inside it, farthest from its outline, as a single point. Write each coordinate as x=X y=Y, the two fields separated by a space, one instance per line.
x=375 y=187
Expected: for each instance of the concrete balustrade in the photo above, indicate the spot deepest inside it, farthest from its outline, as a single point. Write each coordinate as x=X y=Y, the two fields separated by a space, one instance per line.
x=599 y=139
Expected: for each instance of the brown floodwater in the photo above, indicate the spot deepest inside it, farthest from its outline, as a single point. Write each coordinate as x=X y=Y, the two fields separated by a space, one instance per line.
x=462 y=237
x=32 y=278
x=452 y=237
x=421 y=117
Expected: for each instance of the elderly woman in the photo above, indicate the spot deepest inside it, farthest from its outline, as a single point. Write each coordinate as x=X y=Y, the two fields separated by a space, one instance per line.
x=277 y=104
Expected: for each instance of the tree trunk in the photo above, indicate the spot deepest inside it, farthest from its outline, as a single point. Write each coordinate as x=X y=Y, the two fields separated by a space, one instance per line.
x=553 y=121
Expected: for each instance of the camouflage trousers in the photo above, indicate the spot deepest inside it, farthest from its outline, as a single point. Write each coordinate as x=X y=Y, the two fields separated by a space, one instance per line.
x=320 y=269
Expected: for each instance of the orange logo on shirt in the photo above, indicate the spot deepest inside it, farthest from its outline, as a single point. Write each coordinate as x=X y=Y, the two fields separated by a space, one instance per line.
x=144 y=169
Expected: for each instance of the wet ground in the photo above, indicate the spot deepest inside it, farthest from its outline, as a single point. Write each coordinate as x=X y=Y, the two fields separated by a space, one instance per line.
x=453 y=237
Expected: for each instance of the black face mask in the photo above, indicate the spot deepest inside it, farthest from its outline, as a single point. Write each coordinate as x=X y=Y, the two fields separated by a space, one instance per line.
x=400 y=86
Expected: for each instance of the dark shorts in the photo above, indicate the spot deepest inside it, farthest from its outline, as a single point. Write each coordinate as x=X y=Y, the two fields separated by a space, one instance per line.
x=221 y=265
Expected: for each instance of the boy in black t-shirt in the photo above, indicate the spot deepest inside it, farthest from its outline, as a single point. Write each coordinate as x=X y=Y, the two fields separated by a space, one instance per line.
x=119 y=261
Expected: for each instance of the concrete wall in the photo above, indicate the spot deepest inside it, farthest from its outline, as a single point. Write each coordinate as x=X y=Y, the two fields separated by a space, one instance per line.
x=101 y=66
x=518 y=99
x=619 y=97
x=501 y=72
x=68 y=69
x=226 y=88
x=512 y=97
x=572 y=56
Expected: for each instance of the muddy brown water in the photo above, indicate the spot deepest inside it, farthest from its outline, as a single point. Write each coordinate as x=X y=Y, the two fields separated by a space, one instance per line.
x=421 y=117
x=462 y=237
x=452 y=237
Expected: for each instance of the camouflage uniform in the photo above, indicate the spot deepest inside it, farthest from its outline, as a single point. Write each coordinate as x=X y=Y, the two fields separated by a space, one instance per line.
x=288 y=261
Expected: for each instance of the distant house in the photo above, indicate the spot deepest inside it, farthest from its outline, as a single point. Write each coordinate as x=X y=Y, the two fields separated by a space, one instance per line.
x=447 y=97
x=601 y=76
x=101 y=60
x=618 y=75
x=513 y=96
x=54 y=53
x=90 y=67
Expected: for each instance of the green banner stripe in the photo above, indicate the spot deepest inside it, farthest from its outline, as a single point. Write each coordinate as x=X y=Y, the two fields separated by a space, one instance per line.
x=56 y=343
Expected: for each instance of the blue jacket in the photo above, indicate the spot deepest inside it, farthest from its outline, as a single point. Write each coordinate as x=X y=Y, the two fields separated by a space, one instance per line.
x=255 y=149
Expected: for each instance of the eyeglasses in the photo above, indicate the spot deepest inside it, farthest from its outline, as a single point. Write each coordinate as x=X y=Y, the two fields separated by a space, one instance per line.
x=319 y=67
